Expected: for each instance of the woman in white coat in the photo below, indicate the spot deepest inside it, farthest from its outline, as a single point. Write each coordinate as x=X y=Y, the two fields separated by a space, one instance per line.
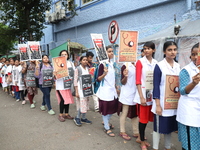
x=164 y=119
x=64 y=96
x=188 y=112
x=82 y=103
x=126 y=104
x=107 y=94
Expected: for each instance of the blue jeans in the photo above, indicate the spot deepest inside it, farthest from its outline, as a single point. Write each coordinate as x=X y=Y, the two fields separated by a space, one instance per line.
x=106 y=120
x=79 y=115
x=17 y=94
x=46 y=96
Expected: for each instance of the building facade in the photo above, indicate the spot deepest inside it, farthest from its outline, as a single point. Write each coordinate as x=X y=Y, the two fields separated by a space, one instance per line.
x=94 y=16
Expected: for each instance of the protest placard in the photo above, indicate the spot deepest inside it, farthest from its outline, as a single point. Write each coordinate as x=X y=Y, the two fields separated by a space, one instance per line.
x=34 y=50
x=30 y=78
x=68 y=81
x=171 y=92
x=149 y=87
x=128 y=46
x=86 y=85
x=23 y=52
x=47 y=75
x=97 y=40
x=60 y=67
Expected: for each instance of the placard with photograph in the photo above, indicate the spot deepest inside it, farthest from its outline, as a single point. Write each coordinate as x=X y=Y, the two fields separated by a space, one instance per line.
x=23 y=52
x=97 y=40
x=34 y=50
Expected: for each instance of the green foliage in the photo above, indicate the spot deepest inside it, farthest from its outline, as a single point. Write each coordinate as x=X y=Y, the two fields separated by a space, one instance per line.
x=70 y=6
x=25 y=17
x=7 y=40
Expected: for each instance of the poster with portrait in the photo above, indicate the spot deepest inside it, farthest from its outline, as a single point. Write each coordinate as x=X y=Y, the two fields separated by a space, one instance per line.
x=47 y=75
x=172 y=93
x=86 y=84
x=97 y=40
x=21 y=79
x=68 y=81
x=15 y=74
x=30 y=78
x=23 y=52
x=34 y=50
x=128 y=46
x=60 y=67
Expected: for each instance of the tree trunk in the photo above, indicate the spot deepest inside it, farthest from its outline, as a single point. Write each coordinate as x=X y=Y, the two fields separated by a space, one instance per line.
x=30 y=34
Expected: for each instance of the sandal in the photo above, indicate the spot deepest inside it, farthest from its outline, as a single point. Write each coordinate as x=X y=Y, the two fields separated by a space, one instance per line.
x=136 y=135
x=139 y=141
x=144 y=147
x=125 y=136
x=68 y=117
x=109 y=133
x=111 y=126
x=147 y=144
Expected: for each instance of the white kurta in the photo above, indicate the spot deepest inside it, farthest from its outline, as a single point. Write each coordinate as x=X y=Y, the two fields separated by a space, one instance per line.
x=9 y=70
x=20 y=83
x=84 y=72
x=3 y=71
x=188 y=112
x=146 y=66
x=107 y=91
x=128 y=90
x=15 y=76
x=1 y=68
x=166 y=69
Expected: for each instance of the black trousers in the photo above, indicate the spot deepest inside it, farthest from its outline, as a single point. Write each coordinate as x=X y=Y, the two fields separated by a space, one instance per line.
x=63 y=107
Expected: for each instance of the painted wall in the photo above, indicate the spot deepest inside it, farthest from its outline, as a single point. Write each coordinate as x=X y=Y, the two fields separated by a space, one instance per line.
x=146 y=16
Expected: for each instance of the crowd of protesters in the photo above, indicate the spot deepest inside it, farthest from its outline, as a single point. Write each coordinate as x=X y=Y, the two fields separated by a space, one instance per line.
x=136 y=99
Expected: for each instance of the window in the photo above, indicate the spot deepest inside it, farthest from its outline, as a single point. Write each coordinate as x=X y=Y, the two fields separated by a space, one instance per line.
x=197 y=5
x=86 y=1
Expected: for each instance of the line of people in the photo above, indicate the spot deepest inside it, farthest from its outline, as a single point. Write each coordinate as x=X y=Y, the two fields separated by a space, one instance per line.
x=141 y=98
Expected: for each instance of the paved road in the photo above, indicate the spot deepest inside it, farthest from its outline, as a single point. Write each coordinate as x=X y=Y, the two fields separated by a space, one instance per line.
x=22 y=128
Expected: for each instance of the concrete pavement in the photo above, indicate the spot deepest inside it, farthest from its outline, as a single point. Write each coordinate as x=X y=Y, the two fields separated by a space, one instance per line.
x=22 y=128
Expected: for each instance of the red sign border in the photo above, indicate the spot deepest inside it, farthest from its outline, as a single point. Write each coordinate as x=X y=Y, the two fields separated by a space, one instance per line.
x=117 y=31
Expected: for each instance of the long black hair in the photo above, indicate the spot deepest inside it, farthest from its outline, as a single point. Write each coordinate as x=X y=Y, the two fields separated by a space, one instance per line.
x=81 y=58
x=66 y=52
x=167 y=44
x=195 y=46
x=150 y=45
x=44 y=56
